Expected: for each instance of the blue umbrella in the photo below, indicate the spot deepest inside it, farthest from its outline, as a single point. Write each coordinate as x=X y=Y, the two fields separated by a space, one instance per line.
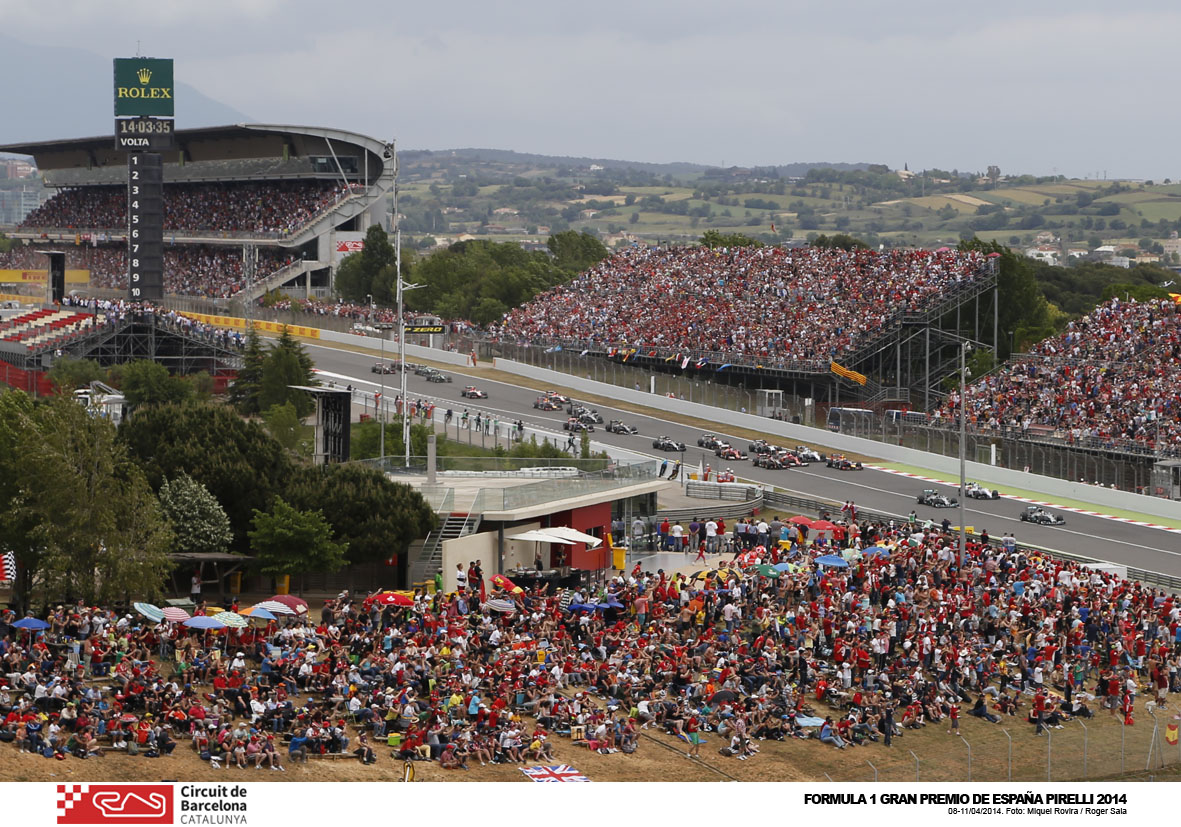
x=30 y=623
x=873 y=551
x=833 y=560
x=782 y=566
x=202 y=622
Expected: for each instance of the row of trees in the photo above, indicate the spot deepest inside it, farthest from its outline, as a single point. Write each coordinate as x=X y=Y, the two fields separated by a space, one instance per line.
x=475 y=280
x=92 y=511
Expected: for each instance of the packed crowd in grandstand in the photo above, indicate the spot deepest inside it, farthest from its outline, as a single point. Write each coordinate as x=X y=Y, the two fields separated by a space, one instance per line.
x=205 y=270
x=836 y=636
x=767 y=303
x=264 y=208
x=1115 y=374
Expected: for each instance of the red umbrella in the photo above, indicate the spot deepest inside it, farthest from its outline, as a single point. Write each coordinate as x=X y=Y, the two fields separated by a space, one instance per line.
x=296 y=604
x=801 y=520
x=823 y=525
x=390 y=599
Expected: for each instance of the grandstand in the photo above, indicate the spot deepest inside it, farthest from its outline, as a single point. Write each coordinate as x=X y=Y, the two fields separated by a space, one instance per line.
x=248 y=208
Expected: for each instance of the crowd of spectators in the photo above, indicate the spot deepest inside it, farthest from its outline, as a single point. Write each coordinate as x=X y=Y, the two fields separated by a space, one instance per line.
x=1112 y=377
x=897 y=637
x=112 y=311
x=769 y=304
x=207 y=270
x=266 y=208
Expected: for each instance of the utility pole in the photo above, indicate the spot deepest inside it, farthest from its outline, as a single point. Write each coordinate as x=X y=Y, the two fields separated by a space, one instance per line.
x=964 y=347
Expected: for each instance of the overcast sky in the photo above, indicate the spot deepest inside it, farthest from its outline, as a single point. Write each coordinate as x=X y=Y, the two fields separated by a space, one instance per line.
x=1076 y=87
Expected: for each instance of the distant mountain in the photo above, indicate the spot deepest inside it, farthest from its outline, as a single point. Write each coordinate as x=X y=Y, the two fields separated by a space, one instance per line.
x=675 y=168
x=67 y=93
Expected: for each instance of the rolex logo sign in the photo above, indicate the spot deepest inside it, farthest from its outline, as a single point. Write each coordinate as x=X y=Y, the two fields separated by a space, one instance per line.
x=143 y=86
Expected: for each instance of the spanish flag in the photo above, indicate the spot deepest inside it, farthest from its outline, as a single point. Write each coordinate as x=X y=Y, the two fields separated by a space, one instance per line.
x=1171 y=735
x=1176 y=297
x=851 y=375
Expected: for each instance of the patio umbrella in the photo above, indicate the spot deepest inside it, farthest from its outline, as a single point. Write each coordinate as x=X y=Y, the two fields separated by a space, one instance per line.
x=275 y=607
x=767 y=571
x=823 y=525
x=832 y=560
x=202 y=622
x=174 y=614
x=256 y=613
x=152 y=613
x=232 y=620
x=783 y=567
x=296 y=604
x=874 y=551
x=390 y=599
x=801 y=520
x=497 y=604
x=30 y=623
x=722 y=696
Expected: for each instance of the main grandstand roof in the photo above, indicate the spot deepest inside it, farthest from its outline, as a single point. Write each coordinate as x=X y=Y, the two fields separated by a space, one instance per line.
x=220 y=152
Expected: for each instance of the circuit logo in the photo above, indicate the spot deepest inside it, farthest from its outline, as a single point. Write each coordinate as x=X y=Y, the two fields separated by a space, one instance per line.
x=114 y=804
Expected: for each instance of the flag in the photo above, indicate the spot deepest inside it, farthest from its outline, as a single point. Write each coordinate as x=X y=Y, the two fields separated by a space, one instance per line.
x=702 y=362
x=701 y=470
x=670 y=358
x=1176 y=297
x=772 y=228
x=851 y=375
x=562 y=772
x=727 y=365
x=8 y=566
x=553 y=349
x=584 y=352
x=685 y=363
x=611 y=353
x=1171 y=734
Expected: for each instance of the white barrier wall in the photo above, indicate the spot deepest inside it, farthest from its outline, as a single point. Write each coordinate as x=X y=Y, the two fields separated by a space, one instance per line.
x=947 y=467
x=412 y=351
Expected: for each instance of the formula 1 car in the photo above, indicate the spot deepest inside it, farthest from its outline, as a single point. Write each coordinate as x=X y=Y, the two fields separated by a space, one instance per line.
x=1039 y=515
x=472 y=392
x=664 y=443
x=709 y=441
x=728 y=452
x=383 y=367
x=545 y=403
x=437 y=376
x=584 y=414
x=772 y=462
x=976 y=491
x=576 y=425
x=618 y=427
x=760 y=446
x=807 y=454
x=557 y=397
x=842 y=463
x=935 y=499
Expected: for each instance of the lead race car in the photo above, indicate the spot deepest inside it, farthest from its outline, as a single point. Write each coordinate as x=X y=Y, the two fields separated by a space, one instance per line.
x=976 y=491
x=1039 y=515
x=935 y=499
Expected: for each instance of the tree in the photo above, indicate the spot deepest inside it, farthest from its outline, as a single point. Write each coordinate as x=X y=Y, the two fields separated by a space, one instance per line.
x=282 y=423
x=287 y=363
x=356 y=274
x=71 y=374
x=245 y=390
x=376 y=517
x=144 y=382
x=240 y=464
x=286 y=540
x=585 y=446
x=1022 y=307
x=96 y=530
x=575 y=252
x=994 y=174
x=714 y=239
x=199 y=524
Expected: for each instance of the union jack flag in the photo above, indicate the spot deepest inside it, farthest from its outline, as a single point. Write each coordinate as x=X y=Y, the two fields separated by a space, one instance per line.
x=562 y=772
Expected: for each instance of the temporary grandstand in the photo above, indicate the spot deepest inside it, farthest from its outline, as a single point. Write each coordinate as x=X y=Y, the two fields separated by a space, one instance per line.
x=248 y=208
x=31 y=341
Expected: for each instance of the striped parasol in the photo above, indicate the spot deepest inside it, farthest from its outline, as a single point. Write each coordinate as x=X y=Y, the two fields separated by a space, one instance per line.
x=275 y=607
x=152 y=613
x=231 y=619
x=503 y=606
x=174 y=614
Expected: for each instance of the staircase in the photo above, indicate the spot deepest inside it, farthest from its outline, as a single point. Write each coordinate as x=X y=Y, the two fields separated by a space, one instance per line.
x=277 y=279
x=430 y=558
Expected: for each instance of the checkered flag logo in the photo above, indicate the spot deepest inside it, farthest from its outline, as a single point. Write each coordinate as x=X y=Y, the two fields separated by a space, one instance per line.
x=67 y=796
x=8 y=566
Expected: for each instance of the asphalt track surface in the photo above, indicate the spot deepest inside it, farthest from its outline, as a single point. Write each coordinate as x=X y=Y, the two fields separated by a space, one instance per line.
x=1103 y=539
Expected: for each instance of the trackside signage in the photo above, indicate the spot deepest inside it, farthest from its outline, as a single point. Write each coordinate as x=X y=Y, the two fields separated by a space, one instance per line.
x=143 y=86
